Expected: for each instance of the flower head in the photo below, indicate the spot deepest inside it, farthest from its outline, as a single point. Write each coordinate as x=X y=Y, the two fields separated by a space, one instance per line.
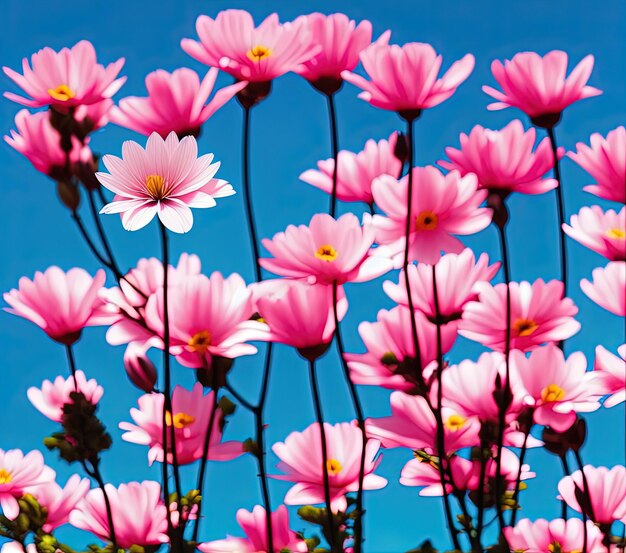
x=600 y=231
x=539 y=314
x=176 y=102
x=611 y=370
x=139 y=515
x=441 y=206
x=71 y=77
x=538 y=86
x=565 y=536
x=50 y=398
x=301 y=460
x=60 y=502
x=604 y=161
x=256 y=54
x=167 y=178
x=61 y=304
x=191 y=412
x=504 y=160
x=608 y=288
x=139 y=368
x=404 y=78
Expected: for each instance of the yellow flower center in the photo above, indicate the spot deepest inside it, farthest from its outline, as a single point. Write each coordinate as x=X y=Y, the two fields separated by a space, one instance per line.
x=326 y=253
x=258 y=53
x=5 y=476
x=389 y=358
x=200 y=341
x=179 y=420
x=455 y=422
x=552 y=392
x=333 y=466
x=156 y=187
x=524 y=327
x=61 y=93
x=426 y=220
x=616 y=233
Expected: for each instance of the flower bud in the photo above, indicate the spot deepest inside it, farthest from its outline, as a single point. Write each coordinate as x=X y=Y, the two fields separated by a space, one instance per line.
x=139 y=368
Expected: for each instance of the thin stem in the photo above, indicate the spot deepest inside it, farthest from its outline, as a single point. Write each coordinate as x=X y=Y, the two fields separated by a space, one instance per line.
x=334 y=144
x=566 y=472
x=518 y=480
x=103 y=238
x=95 y=473
x=71 y=361
x=480 y=518
x=247 y=195
x=360 y=417
x=587 y=494
x=320 y=421
x=240 y=398
x=88 y=240
x=103 y=200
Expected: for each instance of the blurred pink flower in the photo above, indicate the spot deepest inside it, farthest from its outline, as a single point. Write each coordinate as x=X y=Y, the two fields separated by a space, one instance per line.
x=606 y=492
x=71 y=77
x=254 y=526
x=38 y=141
x=605 y=161
x=93 y=116
x=412 y=425
x=50 y=398
x=191 y=414
x=60 y=502
x=61 y=304
x=554 y=387
x=256 y=54
x=301 y=459
x=17 y=547
x=541 y=536
x=19 y=472
x=139 y=368
x=612 y=373
x=442 y=205
x=608 y=288
x=539 y=314
x=356 y=172
x=457 y=278
x=404 y=78
x=537 y=85
x=340 y=41
x=167 y=178
x=389 y=359
x=139 y=515
x=176 y=102
x=600 y=231
x=504 y=160
x=328 y=250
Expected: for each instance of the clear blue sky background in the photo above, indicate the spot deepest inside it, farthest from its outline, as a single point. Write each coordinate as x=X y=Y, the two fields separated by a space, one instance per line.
x=289 y=136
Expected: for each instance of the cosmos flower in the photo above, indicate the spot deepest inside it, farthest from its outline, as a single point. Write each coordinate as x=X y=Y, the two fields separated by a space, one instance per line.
x=611 y=370
x=608 y=288
x=542 y=536
x=600 y=231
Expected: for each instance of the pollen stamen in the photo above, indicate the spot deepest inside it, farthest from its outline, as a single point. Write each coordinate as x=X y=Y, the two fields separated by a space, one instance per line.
x=61 y=93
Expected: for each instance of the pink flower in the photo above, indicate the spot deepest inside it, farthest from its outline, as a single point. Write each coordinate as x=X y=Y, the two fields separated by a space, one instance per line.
x=59 y=303
x=605 y=162
x=175 y=103
x=328 y=250
x=542 y=536
x=208 y=316
x=539 y=314
x=538 y=86
x=257 y=54
x=299 y=314
x=412 y=425
x=191 y=415
x=49 y=400
x=607 y=493
x=458 y=276
x=340 y=41
x=356 y=172
x=58 y=501
x=301 y=460
x=612 y=372
x=254 y=526
x=602 y=232
x=71 y=77
x=37 y=140
x=19 y=472
x=504 y=160
x=17 y=547
x=93 y=116
x=404 y=78
x=389 y=359
x=442 y=205
x=139 y=515
x=554 y=387
x=139 y=368
x=166 y=178
x=608 y=288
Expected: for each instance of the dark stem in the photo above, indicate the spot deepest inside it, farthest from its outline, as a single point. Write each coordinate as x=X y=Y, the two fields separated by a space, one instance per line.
x=240 y=398
x=72 y=364
x=103 y=200
x=103 y=238
x=360 y=417
x=88 y=240
x=334 y=144
x=566 y=472
x=97 y=476
x=481 y=489
x=518 y=480
x=320 y=421
x=247 y=196
x=587 y=495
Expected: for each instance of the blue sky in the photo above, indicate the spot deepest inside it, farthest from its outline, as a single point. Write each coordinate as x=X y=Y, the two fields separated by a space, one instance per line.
x=289 y=135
